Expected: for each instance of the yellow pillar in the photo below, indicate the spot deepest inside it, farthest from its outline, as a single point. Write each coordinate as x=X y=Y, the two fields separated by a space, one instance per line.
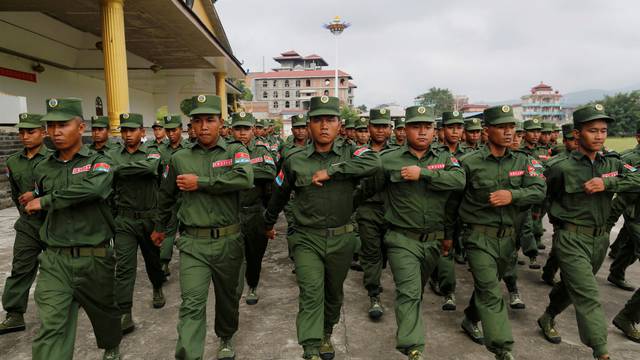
x=221 y=90
x=116 y=78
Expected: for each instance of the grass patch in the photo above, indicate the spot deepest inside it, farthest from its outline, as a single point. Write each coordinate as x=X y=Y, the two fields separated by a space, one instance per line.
x=620 y=144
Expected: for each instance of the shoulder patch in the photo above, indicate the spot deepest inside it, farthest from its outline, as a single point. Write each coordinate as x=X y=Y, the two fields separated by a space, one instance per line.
x=241 y=158
x=280 y=178
x=361 y=151
x=630 y=168
x=102 y=167
x=454 y=161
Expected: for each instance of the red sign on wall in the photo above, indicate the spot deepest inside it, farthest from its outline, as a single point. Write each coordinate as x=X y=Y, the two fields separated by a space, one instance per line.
x=16 y=74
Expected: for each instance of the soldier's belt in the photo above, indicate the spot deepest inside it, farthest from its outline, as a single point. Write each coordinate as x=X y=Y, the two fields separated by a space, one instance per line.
x=419 y=236
x=586 y=230
x=498 y=232
x=330 y=232
x=81 y=251
x=135 y=214
x=214 y=233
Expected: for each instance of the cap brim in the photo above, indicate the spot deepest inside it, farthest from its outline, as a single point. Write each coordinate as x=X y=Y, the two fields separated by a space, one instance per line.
x=205 y=110
x=503 y=120
x=419 y=119
x=453 y=122
x=130 y=125
x=380 y=122
x=473 y=128
x=533 y=128
x=323 y=112
x=304 y=124
x=99 y=126
x=597 y=117
x=157 y=125
x=242 y=123
x=28 y=126
x=172 y=126
x=58 y=116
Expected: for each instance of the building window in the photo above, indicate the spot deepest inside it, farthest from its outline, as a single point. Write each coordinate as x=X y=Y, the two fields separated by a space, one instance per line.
x=350 y=101
x=286 y=83
x=298 y=93
x=287 y=94
x=341 y=82
x=297 y=83
x=264 y=95
x=275 y=94
x=265 y=83
x=287 y=104
x=297 y=104
x=326 y=92
x=275 y=83
x=349 y=90
x=327 y=82
x=99 y=106
x=308 y=82
x=275 y=104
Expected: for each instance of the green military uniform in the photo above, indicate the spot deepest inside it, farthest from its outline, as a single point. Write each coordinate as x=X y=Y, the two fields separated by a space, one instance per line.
x=323 y=242
x=27 y=245
x=582 y=237
x=103 y=122
x=398 y=123
x=153 y=143
x=135 y=187
x=166 y=152
x=211 y=246
x=472 y=124
x=77 y=268
x=416 y=213
x=252 y=203
x=491 y=241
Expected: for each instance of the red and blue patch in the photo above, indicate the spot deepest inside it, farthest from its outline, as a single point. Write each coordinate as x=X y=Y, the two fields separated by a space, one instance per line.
x=630 y=168
x=153 y=156
x=102 y=167
x=280 y=178
x=166 y=171
x=455 y=161
x=241 y=158
x=269 y=160
x=361 y=151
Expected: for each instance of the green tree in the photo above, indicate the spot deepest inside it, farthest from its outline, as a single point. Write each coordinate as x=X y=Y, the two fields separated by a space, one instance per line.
x=348 y=113
x=625 y=109
x=162 y=112
x=362 y=108
x=440 y=99
x=246 y=92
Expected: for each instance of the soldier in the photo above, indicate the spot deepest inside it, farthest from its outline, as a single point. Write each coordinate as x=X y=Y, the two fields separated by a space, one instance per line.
x=173 y=127
x=440 y=131
x=78 y=266
x=362 y=132
x=253 y=202
x=370 y=218
x=27 y=245
x=300 y=136
x=350 y=129
x=399 y=132
x=159 y=134
x=208 y=178
x=472 y=131
x=418 y=180
x=546 y=135
x=581 y=187
x=191 y=134
x=555 y=135
x=499 y=182
x=568 y=141
x=259 y=129
x=100 y=135
x=135 y=185
x=323 y=242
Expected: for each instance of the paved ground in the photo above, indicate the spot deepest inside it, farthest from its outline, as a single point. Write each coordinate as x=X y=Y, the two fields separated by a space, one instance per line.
x=267 y=330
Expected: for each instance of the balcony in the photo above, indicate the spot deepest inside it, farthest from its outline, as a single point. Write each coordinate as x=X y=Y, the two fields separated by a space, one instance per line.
x=543 y=113
x=524 y=105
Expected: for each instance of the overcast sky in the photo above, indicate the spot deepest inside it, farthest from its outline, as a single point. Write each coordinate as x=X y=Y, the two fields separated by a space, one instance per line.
x=488 y=50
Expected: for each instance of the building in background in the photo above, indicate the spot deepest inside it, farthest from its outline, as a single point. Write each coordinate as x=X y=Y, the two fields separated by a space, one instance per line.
x=544 y=103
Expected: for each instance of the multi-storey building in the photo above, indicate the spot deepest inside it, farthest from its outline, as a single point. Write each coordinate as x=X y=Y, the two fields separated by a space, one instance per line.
x=542 y=103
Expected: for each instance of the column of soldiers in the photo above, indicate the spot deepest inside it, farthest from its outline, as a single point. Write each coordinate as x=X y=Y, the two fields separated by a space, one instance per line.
x=426 y=193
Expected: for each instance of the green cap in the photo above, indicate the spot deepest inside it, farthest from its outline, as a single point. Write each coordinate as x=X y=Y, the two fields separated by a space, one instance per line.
x=452 y=117
x=588 y=113
x=438 y=124
x=361 y=123
x=131 y=120
x=299 y=120
x=259 y=123
x=380 y=117
x=350 y=123
x=519 y=126
x=63 y=109
x=399 y=123
x=501 y=114
x=324 y=105
x=158 y=123
x=548 y=127
x=532 y=124
x=472 y=124
x=29 y=121
x=205 y=104
x=567 y=131
x=557 y=127
x=418 y=114
x=242 y=119
x=99 y=121
x=172 y=121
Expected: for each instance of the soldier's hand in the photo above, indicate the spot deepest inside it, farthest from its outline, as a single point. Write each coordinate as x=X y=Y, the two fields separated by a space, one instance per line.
x=445 y=246
x=270 y=233
x=594 y=185
x=319 y=177
x=500 y=198
x=187 y=182
x=26 y=197
x=410 y=173
x=33 y=206
x=157 y=238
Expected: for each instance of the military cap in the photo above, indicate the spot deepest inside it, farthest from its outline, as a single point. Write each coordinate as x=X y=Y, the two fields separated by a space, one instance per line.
x=99 y=121
x=588 y=113
x=557 y=127
x=324 y=105
x=415 y=114
x=259 y=123
x=567 y=131
x=349 y=123
x=399 y=123
x=242 y=119
x=452 y=117
x=519 y=126
x=501 y=114
x=299 y=120
x=472 y=124
x=63 y=109
x=29 y=121
x=131 y=120
x=548 y=127
x=172 y=121
x=438 y=124
x=158 y=123
x=205 y=104
x=380 y=117
x=532 y=124
x=361 y=123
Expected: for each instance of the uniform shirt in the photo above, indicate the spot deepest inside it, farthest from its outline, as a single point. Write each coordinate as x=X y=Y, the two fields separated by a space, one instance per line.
x=20 y=171
x=538 y=152
x=264 y=171
x=223 y=171
x=565 y=180
x=166 y=151
x=327 y=206
x=419 y=205
x=74 y=195
x=286 y=149
x=485 y=173
x=153 y=144
x=376 y=198
x=108 y=146
x=135 y=181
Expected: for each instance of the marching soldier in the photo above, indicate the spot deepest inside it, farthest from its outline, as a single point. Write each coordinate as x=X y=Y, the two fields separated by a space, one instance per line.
x=78 y=266
x=208 y=178
x=350 y=129
x=499 y=182
x=159 y=134
x=362 y=132
x=323 y=242
x=27 y=245
x=473 y=133
x=100 y=135
x=399 y=132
